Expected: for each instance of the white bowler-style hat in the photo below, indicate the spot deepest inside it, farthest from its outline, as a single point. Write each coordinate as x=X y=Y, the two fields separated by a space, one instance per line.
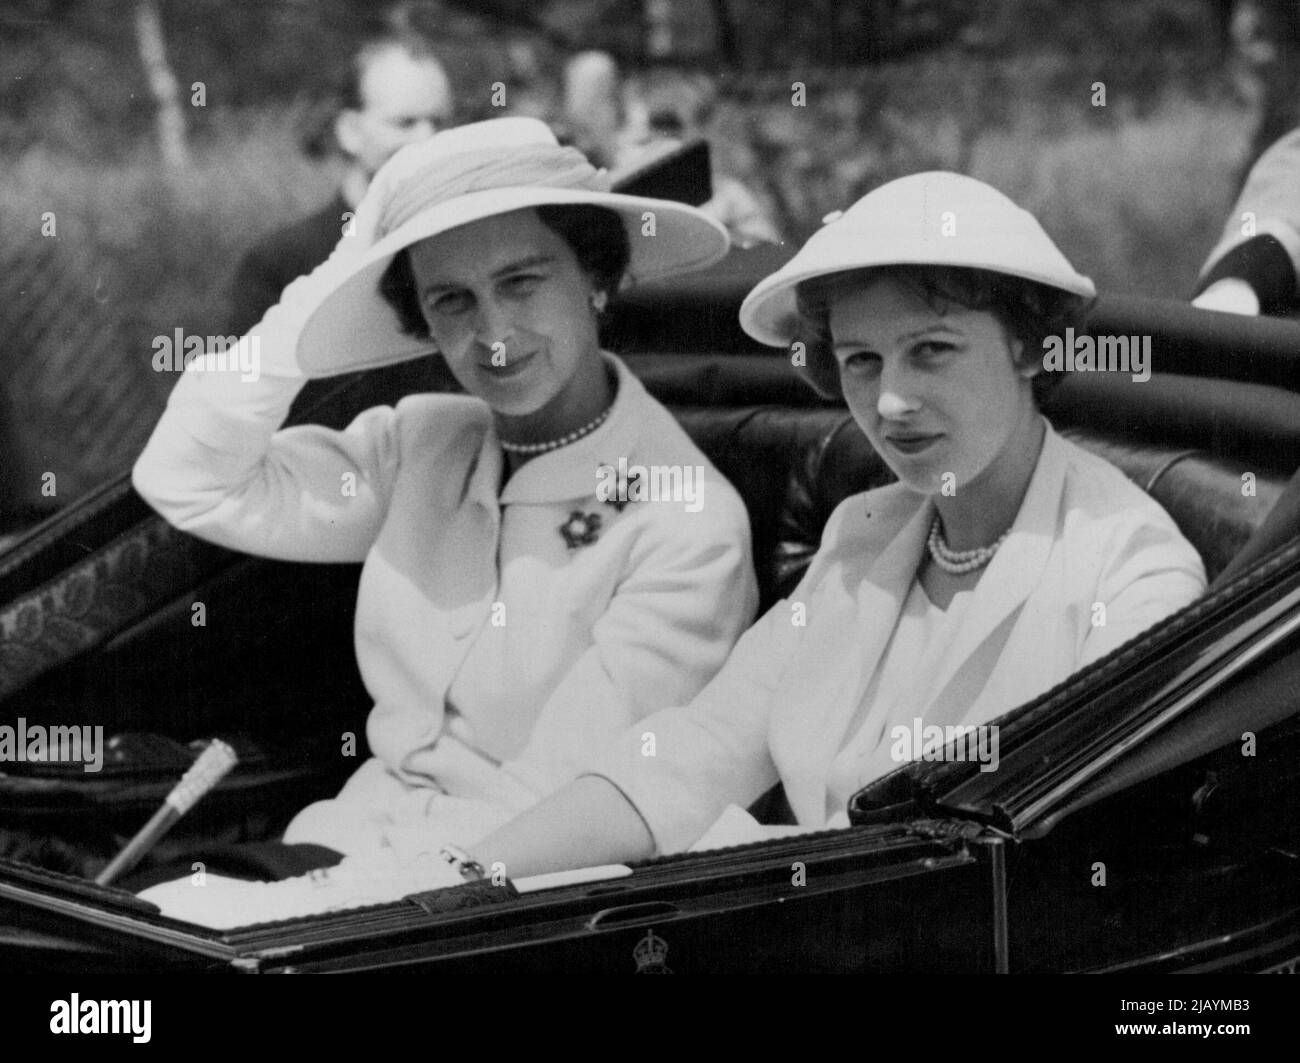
x=929 y=219
x=463 y=175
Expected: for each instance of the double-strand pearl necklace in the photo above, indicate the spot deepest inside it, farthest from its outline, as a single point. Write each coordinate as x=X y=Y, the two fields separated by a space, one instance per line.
x=563 y=441
x=959 y=562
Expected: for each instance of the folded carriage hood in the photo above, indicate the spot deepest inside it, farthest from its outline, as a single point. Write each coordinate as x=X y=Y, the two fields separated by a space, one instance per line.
x=1226 y=664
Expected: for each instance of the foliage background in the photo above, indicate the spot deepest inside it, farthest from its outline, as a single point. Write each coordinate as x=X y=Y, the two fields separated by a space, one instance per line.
x=1135 y=191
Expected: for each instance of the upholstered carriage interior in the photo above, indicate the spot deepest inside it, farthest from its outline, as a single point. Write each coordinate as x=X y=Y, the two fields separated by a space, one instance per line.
x=96 y=618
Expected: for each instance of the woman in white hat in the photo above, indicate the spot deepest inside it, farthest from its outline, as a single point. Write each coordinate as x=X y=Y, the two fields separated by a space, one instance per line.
x=518 y=604
x=1004 y=558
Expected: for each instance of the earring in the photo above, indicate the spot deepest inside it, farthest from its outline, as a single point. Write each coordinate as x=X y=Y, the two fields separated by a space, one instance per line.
x=598 y=300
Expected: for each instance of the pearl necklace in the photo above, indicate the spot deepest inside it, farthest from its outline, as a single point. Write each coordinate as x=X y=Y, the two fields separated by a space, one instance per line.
x=563 y=441
x=959 y=562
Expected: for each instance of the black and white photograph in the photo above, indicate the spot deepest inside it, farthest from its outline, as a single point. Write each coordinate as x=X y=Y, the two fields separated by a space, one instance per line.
x=651 y=487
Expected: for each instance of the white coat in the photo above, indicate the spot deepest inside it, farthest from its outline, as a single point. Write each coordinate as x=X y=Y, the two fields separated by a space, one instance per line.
x=498 y=651
x=1084 y=536
x=1269 y=203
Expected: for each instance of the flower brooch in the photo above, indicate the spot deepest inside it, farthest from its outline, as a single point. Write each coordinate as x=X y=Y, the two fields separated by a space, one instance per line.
x=616 y=488
x=581 y=529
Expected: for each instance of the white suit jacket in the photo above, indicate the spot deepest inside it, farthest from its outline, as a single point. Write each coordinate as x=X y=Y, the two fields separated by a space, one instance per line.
x=779 y=709
x=1272 y=195
x=497 y=652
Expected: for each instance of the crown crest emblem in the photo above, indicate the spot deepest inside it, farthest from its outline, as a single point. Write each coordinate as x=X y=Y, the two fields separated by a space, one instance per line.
x=650 y=953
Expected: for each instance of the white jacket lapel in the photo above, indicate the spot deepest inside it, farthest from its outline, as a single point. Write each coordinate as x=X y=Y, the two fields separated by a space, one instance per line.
x=1017 y=568
x=847 y=650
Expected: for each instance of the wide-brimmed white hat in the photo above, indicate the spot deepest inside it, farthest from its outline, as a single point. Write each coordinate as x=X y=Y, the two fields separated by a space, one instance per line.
x=931 y=219
x=461 y=176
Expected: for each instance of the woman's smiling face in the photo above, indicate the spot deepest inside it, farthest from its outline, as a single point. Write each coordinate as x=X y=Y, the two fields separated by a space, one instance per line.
x=935 y=390
x=508 y=306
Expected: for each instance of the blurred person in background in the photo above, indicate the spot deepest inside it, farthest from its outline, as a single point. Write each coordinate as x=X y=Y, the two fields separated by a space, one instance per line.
x=628 y=129
x=1254 y=267
x=394 y=93
x=594 y=112
x=671 y=111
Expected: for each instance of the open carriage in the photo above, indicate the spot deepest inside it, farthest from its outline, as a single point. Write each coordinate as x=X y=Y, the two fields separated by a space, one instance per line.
x=1146 y=814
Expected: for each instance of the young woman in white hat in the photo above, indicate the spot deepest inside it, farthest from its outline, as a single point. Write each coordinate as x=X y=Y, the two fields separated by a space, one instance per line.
x=1004 y=558
x=514 y=612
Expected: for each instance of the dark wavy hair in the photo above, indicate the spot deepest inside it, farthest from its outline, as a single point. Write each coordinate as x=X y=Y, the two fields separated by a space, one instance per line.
x=595 y=234
x=1029 y=311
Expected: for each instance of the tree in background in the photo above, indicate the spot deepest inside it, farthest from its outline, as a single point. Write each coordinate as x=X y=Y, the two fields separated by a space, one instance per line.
x=162 y=84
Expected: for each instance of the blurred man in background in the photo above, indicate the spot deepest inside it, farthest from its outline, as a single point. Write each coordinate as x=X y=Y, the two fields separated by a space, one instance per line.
x=395 y=93
x=594 y=111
